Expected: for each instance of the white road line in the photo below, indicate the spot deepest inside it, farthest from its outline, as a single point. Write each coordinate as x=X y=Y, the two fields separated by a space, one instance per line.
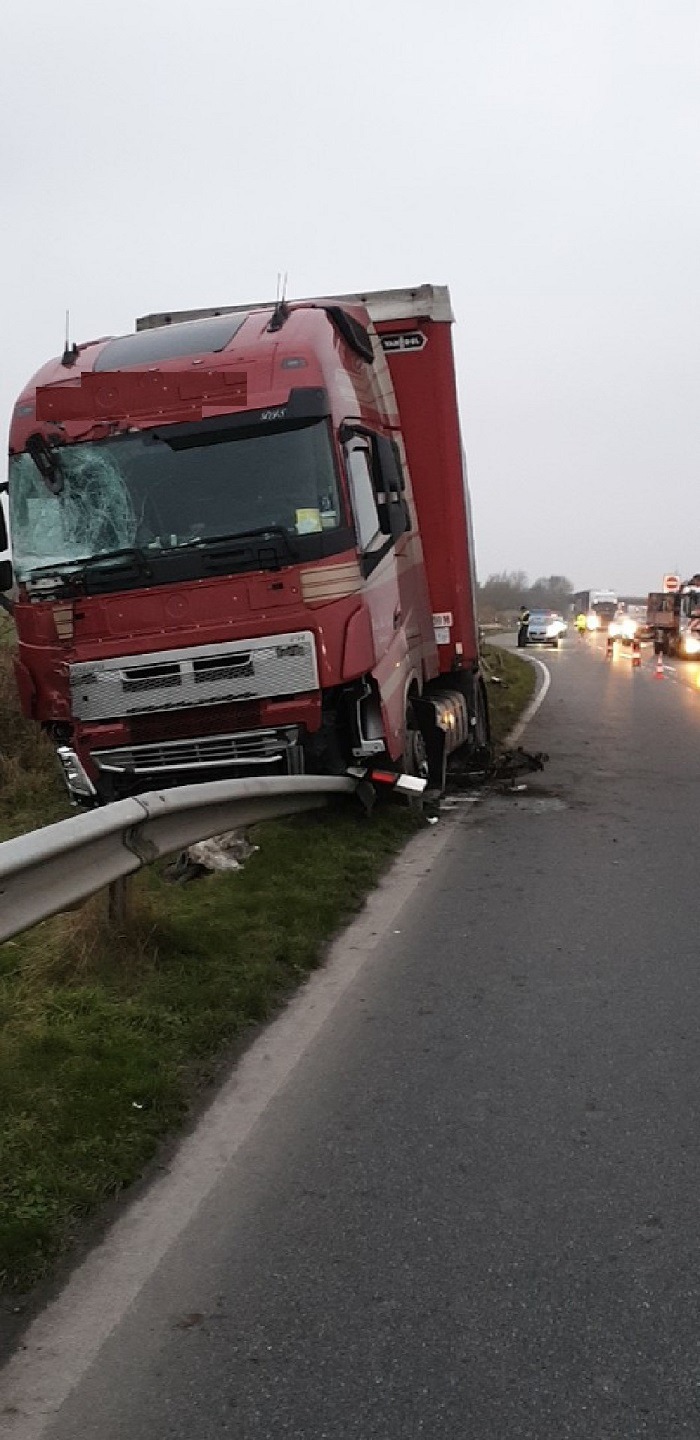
x=65 y=1339
x=531 y=709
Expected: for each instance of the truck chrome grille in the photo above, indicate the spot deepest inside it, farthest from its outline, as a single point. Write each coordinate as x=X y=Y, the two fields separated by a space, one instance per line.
x=252 y=747
x=200 y=675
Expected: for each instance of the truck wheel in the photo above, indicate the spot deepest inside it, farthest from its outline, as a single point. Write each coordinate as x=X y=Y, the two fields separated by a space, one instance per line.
x=481 y=731
x=415 y=755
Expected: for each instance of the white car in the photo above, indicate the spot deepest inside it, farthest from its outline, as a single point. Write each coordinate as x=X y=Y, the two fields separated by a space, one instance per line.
x=546 y=628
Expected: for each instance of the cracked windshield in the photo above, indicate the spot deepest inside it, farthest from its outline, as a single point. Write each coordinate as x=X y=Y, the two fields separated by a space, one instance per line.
x=160 y=494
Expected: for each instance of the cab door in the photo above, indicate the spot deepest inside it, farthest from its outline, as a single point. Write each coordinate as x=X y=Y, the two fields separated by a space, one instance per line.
x=381 y=591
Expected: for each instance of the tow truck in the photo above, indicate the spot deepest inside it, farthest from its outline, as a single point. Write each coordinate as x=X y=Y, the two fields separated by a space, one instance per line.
x=674 y=620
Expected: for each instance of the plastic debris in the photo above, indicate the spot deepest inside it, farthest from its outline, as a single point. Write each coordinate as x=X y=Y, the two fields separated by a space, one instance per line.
x=221 y=852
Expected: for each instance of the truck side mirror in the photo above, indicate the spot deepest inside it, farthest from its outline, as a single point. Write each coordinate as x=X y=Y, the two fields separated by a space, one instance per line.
x=399 y=466
x=6 y=576
x=393 y=512
x=399 y=519
x=387 y=462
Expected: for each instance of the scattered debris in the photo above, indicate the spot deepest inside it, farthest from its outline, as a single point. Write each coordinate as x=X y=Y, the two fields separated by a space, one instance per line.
x=222 y=852
x=510 y=763
x=504 y=766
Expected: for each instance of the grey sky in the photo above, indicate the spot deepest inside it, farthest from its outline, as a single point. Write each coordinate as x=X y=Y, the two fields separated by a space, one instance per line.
x=539 y=156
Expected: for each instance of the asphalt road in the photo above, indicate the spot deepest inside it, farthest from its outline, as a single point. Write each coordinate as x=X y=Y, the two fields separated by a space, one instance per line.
x=471 y=1211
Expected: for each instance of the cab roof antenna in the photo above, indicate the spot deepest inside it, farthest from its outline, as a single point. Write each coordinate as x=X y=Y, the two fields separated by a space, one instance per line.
x=281 y=310
x=70 y=352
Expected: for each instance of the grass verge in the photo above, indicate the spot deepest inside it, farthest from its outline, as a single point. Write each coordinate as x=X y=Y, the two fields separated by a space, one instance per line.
x=106 y=1038
x=511 y=687
x=32 y=792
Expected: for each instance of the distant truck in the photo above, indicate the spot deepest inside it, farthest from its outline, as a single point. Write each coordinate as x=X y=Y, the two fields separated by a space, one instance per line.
x=673 y=617
x=241 y=544
x=598 y=606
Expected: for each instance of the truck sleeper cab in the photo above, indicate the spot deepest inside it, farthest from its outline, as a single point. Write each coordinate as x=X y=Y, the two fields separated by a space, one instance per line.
x=217 y=555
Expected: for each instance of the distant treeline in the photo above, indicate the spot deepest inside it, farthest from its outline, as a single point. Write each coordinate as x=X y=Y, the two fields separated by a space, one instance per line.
x=501 y=596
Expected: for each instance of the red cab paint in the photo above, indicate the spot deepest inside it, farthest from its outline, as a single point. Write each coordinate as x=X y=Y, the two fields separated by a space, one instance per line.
x=242 y=544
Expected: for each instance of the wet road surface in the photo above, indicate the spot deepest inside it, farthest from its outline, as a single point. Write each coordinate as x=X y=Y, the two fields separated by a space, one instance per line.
x=472 y=1211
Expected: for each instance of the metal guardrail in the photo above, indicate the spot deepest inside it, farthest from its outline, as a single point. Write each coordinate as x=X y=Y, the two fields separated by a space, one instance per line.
x=55 y=868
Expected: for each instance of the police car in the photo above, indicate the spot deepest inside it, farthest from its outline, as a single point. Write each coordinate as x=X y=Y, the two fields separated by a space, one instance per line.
x=546 y=628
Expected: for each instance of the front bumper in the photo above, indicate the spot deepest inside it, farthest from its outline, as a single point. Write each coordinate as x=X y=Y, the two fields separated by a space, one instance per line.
x=265 y=749
x=540 y=638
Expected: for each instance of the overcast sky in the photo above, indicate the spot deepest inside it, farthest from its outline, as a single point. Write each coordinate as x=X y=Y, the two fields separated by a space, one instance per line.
x=538 y=156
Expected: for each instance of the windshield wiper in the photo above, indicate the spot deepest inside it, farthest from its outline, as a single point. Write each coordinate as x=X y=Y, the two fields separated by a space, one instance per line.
x=129 y=552
x=240 y=538
x=47 y=461
x=76 y=569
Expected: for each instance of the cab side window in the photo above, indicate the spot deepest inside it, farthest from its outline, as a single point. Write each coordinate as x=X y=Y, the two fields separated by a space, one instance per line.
x=364 y=502
x=378 y=488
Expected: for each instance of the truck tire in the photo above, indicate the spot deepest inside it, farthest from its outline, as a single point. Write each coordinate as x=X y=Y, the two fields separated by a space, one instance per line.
x=481 y=731
x=415 y=755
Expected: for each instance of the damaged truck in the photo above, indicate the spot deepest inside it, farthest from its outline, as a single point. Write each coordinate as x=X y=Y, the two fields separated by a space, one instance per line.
x=241 y=544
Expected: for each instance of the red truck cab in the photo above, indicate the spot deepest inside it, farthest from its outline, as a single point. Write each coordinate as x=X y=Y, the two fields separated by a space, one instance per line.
x=241 y=544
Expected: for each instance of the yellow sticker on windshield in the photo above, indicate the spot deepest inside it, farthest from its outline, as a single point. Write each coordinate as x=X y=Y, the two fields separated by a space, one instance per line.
x=308 y=521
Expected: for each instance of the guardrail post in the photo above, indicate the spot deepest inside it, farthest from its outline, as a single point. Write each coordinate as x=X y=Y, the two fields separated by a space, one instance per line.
x=116 y=901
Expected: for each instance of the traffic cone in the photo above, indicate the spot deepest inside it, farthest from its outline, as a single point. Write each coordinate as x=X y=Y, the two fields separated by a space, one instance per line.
x=659 y=671
x=636 y=654
x=609 y=647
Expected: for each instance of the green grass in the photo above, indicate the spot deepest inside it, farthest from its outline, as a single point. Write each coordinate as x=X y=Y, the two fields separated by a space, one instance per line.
x=510 y=691
x=32 y=792
x=107 y=1038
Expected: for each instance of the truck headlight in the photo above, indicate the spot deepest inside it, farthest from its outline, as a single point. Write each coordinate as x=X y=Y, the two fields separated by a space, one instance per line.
x=75 y=775
x=691 y=644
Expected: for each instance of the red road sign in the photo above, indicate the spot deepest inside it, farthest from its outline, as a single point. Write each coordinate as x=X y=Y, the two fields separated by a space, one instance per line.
x=672 y=583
